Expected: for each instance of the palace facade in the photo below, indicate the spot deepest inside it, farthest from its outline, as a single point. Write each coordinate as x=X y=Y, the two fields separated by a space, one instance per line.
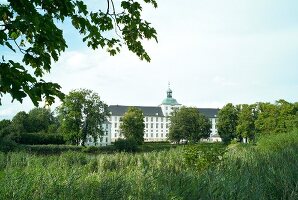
x=156 y=119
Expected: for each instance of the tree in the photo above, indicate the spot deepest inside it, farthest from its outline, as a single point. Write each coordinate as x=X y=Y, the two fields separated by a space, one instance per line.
x=276 y=118
x=132 y=125
x=246 y=122
x=30 y=28
x=5 y=127
x=227 y=122
x=82 y=113
x=19 y=123
x=267 y=118
x=189 y=124
x=39 y=119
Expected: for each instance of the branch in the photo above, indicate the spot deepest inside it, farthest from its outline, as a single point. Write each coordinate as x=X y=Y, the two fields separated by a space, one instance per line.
x=115 y=20
x=108 y=9
x=23 y=51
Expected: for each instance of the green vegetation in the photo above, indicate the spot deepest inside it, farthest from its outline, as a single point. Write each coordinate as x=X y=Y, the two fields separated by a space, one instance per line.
x=132 y=125
x=32 y=29
x=227 y=122
x=188 y=124
x=245 y=122
x=266 y=170
x=82 y=113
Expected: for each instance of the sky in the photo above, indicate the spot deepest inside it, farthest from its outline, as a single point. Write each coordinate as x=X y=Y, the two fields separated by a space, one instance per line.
x=212 y=52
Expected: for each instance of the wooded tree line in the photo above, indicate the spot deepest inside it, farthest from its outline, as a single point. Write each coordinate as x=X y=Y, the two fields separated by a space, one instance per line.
x=81 y=112
x=245 y=122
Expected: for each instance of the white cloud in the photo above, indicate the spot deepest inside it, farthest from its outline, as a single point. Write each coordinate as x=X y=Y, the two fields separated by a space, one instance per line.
x=213 y=52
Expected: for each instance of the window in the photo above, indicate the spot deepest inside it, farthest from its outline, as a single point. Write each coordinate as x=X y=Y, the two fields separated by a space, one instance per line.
x=146 y=134
x=151 y=130
x=151 y=134
x=100 y=139
x=115 y=125
x=157 y=119
x=161 y=119
x=146 y=119
x=162 y=135
x=161 y=125
x=115 y=134
x=115 y=118
x=166 y=107
x=167 y=125
x=146 y=125
x=166 y=135
x=152 y=125
x=156 y=134
x=156 y=125
x=152 y=119
x=106 y=140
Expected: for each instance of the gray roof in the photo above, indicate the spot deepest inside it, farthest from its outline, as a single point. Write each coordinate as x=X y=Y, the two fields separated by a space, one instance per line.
x=209 y=112
x=118 y=110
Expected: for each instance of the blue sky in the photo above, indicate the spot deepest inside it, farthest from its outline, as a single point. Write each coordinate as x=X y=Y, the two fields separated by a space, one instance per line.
x=212 y=51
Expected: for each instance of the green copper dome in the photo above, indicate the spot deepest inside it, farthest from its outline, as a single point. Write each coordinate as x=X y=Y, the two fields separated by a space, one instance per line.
x=170 y=100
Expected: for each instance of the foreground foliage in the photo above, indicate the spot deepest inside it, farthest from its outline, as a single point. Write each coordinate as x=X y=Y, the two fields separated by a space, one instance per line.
x=267 y=170
x=32 y=29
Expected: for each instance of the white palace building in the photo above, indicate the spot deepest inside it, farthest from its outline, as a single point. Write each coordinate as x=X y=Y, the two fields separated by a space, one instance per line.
x=157 y=121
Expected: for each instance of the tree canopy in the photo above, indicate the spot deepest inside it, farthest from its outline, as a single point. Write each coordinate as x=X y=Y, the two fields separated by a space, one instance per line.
x=245 y=128
x=30 y=29
x=227 y=122
x=189 y=124
x=132 y=125
x=82 y=113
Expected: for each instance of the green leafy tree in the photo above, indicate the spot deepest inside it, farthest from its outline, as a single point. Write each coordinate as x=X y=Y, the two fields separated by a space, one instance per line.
x=19 y=123
x=287 y=116
x=276 y=118
x=246 y=122
x=31 y=29
x=5 y=127
x=39 y=119
x=267 y=118
x=82 y=113
x=4 y=123
x=227 y=122
x=132 y=125
x=189 y=124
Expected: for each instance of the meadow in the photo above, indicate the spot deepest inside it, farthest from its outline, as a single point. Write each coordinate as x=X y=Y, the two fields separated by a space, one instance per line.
x=265 y=170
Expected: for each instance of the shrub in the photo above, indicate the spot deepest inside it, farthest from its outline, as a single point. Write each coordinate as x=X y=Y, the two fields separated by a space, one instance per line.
x=201 y=156
x=51 y=149
x=127 y=145
x=7 y=144
x=39 y=138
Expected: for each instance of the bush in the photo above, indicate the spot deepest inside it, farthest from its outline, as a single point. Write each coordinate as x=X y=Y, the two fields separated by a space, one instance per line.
x=39 y=138
x=127 y=145
x=51 y=149
x=201 y=156
x=7 y=144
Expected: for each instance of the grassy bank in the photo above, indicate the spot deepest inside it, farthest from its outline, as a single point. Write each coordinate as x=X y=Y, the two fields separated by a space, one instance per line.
x=267 y=170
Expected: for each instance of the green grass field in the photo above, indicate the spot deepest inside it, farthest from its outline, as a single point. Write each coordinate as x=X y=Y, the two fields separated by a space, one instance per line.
x=267 y=170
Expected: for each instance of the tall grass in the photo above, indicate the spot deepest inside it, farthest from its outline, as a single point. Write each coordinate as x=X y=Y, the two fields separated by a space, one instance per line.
x=245 y=172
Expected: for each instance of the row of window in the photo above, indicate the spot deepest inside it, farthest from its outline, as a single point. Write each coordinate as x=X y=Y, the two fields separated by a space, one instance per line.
x=161 y=119
x=147 y=134
x=156 y=125
x=147 y=125
x=156 y=135
x=90 y=139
